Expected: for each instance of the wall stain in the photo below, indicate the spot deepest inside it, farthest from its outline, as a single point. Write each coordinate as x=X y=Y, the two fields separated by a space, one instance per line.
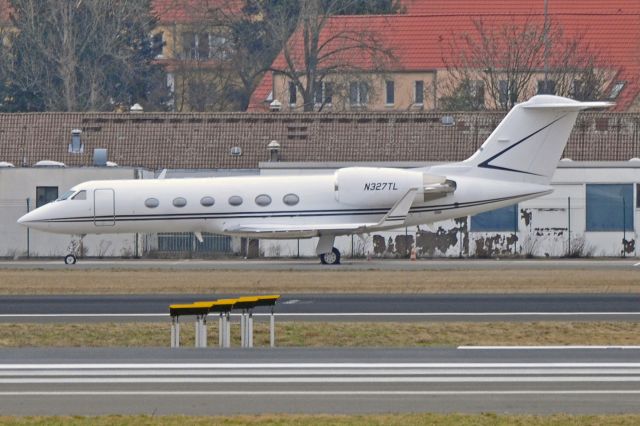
x=496 y=245
x=442 y=240
x=379 y=246
x=525 y=215
x=629 y=246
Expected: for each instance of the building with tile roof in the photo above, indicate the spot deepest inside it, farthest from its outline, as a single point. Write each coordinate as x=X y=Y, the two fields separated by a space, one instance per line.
x=422 y=40
x=240 y=140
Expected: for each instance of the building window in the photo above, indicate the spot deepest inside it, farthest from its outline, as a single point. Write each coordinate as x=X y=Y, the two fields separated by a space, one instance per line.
x=610 y=207
x=617 y=88
x=195 y=45
x=548 y=88
x=506 y=93
x=358 y=93
x=207 y=201
x=323 y=93
x=419 y=92
x=504 y=219
x=46 y=194
x=263 y=200
x=157 y=43
x=390 y=92
x=293 y=93
x=218 y=47
x=235 y=200
x=291 y=199
x=638 y=195
x=152 y=203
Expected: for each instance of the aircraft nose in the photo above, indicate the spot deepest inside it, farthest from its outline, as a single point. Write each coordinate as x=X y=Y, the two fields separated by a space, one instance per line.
x=24 y=219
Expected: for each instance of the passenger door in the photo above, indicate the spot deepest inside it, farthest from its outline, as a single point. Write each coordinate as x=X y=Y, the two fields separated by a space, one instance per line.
x=104 y=207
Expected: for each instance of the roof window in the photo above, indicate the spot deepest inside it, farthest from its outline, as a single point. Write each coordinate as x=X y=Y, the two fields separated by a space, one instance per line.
x=617 y=88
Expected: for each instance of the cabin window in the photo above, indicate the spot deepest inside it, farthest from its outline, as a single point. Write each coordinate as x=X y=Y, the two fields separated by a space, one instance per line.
x=610 y=207
x=47 y=194
x=263 y=200
x=235 y=200
x=152 y=203
x=504 y=219
x=291 y=199
x=82 y=195
x=207 y=201
x=179 y=202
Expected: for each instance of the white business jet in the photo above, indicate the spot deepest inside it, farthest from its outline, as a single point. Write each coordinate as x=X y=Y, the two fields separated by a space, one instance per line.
x=514 y=164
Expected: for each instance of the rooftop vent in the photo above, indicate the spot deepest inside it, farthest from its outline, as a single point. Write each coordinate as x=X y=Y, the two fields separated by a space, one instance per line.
x=49 y=163
x=111 y=164
x=634 y=159
x=76 y=146
x=274 y=151
x=275 y=106
x=100 y=156
x=566 y=160
x=236 y=151
x=4 y=164
x=136 y=108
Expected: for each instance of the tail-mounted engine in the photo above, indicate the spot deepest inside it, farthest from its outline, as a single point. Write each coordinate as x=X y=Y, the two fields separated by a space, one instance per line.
x=377 y=186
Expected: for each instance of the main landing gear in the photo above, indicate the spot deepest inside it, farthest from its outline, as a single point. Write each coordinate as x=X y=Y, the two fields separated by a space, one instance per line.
x=70 y=259
x=331 y=258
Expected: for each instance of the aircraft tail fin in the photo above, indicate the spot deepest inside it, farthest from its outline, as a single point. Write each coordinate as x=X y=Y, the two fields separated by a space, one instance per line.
x=529 y=141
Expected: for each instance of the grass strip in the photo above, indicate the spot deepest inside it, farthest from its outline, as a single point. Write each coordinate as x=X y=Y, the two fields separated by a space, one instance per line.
x=71 y=281
x=338 y=334
x=485 y=419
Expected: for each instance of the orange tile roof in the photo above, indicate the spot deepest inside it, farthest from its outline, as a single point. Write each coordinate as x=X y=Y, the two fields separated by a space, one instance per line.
x=257 y=102
x=422 y=42
x=474 y=7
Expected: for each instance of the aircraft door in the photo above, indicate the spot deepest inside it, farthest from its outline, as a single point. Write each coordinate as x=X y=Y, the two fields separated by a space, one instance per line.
x=104 y=207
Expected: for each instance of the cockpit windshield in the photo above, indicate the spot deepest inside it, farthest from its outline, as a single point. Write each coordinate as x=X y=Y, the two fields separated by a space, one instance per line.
x=80 y=195
x=66 y=195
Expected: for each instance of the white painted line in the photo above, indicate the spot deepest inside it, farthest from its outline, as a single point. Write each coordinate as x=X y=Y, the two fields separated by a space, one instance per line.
x=544 y=347
x=343 y=314
x=636 y=264
x=314 y=365
x=231 y=393
x=320 y=372
x=322 y=380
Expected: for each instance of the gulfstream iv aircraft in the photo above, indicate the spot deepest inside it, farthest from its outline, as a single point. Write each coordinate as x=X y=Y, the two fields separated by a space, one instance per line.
x=514 y=164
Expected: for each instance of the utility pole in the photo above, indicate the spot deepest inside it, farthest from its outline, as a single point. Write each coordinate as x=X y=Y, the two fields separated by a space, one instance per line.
x=546 y=46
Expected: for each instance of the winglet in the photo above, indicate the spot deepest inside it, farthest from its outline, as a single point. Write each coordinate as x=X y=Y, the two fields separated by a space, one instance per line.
x=398 y=213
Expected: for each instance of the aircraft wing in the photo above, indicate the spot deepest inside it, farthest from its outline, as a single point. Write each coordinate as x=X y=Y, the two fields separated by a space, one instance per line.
x=394 y=218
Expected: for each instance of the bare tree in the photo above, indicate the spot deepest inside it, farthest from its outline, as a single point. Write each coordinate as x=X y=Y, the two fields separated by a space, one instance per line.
x=506 y=60
x=79 y=55
x=321 y=46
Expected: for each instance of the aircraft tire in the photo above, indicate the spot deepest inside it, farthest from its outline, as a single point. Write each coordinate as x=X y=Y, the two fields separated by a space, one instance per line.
x=332 y=258
x=70 y=259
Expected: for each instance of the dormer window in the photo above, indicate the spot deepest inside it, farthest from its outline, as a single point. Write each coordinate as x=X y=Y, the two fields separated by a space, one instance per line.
x=617 y=88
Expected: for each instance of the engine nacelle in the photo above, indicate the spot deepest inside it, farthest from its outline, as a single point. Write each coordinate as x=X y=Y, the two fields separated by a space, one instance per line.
x=375 y=186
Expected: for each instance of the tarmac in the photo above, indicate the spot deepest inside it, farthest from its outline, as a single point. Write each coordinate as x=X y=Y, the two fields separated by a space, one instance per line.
x=158 y=381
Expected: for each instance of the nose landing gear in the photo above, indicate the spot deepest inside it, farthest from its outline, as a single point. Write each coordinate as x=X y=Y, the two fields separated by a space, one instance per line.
x=75 y=247
x=331 y=258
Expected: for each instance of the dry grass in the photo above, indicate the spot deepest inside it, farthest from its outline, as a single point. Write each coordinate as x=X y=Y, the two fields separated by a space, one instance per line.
x=337 y=420
x=315 y=334
x=374 y=281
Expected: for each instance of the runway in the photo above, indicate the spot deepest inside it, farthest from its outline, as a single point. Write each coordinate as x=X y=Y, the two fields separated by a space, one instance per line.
x=307 y=264
x=338 y=307
x=214 y=381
